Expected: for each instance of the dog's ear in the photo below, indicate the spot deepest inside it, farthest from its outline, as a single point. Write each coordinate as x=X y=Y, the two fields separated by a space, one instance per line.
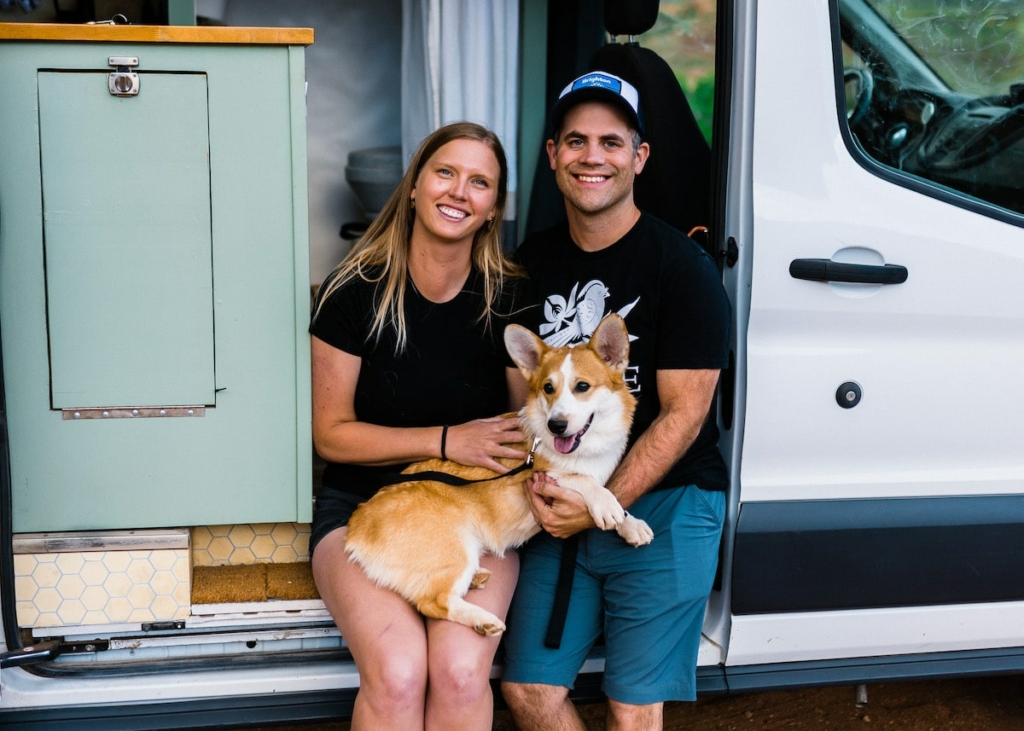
x=524 y=347
x=611 y=342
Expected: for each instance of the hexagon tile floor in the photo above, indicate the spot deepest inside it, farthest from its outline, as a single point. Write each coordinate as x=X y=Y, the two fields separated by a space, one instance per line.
x=135 y=576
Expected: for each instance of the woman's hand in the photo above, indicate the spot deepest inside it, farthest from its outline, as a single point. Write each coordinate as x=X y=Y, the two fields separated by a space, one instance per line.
x=479 y=443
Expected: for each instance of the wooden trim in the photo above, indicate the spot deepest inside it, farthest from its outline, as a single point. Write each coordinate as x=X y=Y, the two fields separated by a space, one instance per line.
x=155 y=34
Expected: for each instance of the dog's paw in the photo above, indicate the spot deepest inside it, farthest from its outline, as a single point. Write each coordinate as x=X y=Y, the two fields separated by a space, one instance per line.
x=635 y=531
x=482 y=621
x=606 y=510
x=479 y=579
x=489 y=629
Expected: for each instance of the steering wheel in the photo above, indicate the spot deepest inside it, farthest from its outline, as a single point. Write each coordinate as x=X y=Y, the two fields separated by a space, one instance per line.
x=961 y=142
x=863 y=88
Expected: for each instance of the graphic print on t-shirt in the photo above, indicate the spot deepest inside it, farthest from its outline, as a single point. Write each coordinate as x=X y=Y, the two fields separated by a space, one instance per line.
x=572 y=320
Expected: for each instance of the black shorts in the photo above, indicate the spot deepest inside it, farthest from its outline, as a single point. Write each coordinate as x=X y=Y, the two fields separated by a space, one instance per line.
x=333 y=509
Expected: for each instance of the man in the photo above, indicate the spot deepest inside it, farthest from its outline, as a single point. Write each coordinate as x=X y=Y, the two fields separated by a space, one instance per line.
x=648 y=602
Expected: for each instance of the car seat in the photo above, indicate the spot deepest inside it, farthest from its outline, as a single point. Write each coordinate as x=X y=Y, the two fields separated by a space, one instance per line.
x=675 y=184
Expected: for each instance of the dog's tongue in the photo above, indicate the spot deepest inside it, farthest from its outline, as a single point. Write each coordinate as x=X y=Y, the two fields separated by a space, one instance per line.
x=565 y=444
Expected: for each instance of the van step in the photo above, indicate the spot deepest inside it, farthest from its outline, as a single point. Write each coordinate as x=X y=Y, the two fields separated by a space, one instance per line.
x=258 y=582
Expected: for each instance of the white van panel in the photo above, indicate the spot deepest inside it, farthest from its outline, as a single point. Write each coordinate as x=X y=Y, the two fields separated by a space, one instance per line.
x=22 y=689
x=803 y=636
x=934 y=355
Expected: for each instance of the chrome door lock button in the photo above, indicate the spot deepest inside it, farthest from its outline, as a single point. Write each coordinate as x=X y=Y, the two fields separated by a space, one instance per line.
x=848 y=395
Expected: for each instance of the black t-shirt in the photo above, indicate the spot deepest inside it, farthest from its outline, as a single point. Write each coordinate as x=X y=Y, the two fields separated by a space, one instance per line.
x=669 y=292
x=452 y=369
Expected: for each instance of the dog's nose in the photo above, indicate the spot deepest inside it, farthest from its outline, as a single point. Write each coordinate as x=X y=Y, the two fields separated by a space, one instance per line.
x=557 y=426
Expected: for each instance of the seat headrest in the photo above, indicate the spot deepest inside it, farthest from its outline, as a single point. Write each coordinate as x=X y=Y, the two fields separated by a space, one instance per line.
x=630 y=17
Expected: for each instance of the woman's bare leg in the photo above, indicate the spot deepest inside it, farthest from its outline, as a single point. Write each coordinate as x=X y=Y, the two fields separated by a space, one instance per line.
x=386 y=636
x=459 y=694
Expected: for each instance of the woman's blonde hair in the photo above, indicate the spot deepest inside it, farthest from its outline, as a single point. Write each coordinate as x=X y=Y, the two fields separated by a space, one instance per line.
x=382 y=254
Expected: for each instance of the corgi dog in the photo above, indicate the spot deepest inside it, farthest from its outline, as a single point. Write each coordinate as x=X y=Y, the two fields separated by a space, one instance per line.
x=424 y=539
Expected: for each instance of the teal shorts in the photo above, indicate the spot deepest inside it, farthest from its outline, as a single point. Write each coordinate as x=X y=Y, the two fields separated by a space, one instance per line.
x=647 y=602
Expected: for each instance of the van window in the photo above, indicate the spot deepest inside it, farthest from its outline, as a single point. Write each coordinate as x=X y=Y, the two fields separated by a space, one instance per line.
x=934 y=91
x=685 y=37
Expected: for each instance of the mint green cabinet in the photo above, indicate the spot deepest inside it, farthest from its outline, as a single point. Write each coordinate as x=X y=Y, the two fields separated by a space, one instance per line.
x=154 y=288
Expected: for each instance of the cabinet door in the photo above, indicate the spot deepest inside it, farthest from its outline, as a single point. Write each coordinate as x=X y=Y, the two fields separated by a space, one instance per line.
x=126 y=212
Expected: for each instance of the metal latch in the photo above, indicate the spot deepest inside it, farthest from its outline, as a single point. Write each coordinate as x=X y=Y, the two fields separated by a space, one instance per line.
x=39 y=652
x=123 y=81
x=49 y=650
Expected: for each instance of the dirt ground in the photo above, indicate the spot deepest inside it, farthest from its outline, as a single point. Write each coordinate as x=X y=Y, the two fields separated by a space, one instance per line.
x=985 y=704
x=977 y=704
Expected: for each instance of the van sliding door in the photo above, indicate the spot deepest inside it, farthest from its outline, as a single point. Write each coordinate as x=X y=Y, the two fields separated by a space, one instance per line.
x=881 y=481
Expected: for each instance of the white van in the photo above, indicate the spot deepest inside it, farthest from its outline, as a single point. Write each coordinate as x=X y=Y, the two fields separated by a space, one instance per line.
x=868 y=214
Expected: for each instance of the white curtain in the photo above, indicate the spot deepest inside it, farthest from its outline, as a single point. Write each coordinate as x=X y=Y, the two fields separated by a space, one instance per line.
x=460 y=61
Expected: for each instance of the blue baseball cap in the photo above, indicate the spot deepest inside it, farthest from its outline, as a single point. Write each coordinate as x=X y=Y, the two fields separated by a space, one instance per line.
x=603 y=87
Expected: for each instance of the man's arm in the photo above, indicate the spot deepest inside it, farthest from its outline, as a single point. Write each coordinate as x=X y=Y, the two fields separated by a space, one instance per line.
x=685 y=397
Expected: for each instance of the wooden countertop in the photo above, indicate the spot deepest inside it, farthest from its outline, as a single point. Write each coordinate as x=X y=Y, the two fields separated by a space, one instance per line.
x=107 y=32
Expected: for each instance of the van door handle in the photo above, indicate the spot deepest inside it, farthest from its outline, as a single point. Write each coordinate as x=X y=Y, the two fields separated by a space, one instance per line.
x=826 y=270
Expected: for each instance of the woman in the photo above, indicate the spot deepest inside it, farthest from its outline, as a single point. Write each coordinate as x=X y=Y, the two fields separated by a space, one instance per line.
x=409 y=364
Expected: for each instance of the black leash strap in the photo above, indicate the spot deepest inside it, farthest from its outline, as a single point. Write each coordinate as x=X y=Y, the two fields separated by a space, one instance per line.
x=396 y=478
x=560 y=609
